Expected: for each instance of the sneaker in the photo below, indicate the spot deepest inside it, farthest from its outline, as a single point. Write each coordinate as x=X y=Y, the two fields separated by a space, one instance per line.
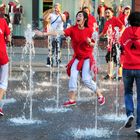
x=1 y=112
x=129 y=121
x=47 y=65
x=101 y=100
x=69 y=103
x=137 y=131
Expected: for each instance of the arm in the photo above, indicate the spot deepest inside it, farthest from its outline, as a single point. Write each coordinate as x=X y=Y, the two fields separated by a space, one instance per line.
x=122 y=30
x=39 y=33
x=62 y=17
x=90 y=42
x=8 y=38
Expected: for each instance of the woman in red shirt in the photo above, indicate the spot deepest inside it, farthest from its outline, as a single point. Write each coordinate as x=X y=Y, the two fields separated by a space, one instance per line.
x=91 y=19
x=83 y=60
x=4 y=34
x=130 y=42
x=123 y=16
x=111 y=52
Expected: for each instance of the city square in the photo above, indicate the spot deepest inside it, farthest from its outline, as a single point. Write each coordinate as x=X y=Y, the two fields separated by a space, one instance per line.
x=38 y=104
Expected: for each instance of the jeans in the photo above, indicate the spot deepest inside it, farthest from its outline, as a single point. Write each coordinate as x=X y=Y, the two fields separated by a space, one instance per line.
x=129 y=76
x=54 y=55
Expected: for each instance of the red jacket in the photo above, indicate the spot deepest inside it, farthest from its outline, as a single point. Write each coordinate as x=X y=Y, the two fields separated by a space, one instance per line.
x=130 y=42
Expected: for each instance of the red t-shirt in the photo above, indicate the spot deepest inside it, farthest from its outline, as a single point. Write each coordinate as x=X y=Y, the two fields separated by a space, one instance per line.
x=121 y=17
x=78 y=38
x=114 y=22
x=131 y=56
x=81 y=48
x=91 y=21
x=4 y=31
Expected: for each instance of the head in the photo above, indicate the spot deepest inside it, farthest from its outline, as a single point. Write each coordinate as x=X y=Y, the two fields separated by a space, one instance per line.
x=127 y=10
x=67 y=15
x=109 y=12
x=86 y=9
x=134 y=19
x=57 y=7
x=82 y=18
x=2 y=8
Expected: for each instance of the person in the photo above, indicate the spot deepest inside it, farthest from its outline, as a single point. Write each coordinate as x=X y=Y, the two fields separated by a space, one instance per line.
x=68 y=20
x=3 y=11
x=101 y=13
x=83 y=60
x=4 y=34
x=111 y=52
x=67 y=24
x=130 y=42
x=91 y=19
x=15 y=11
x=123 y=16
x=57 y=20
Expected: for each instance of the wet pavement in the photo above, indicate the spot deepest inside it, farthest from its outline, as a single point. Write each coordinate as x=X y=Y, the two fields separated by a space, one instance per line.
x=38 y=114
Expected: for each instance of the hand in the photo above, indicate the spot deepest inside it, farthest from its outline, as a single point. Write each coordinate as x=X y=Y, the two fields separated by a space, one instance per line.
x=38 y=33
x=88 y=40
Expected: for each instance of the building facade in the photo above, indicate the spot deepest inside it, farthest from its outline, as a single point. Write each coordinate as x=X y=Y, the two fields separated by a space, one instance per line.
x=33 y=9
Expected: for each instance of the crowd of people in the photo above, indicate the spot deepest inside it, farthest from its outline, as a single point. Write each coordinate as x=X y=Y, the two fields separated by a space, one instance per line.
x=123 y=33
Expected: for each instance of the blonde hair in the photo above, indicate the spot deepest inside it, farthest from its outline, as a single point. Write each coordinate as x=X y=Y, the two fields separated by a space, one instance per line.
x=46 y=22
x=57 y=4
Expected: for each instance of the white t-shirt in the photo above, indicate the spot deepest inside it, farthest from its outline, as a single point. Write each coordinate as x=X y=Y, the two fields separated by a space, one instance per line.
x=58 y=24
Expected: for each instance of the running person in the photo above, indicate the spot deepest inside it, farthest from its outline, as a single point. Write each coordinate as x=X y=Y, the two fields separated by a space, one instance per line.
x=113 y=22
x=4 y=34
x=83 y=60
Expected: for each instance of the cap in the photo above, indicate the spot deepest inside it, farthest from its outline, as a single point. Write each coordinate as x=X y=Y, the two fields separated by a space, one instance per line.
x=127 y=7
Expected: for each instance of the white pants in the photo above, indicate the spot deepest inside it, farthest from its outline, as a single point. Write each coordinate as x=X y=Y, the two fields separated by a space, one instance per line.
x=4 y=76
x=86 y=76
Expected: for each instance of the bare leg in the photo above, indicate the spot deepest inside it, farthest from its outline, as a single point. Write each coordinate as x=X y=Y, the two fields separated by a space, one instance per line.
x=72 y=96
x=101 y=98
x=120 y=71
x=110 y=69
x=98 y=92
x=2 y=92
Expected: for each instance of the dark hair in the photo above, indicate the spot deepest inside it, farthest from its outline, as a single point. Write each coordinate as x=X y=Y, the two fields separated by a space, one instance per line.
x=66 y=13
x=134 y=19
x=126 y=8
x=110 y=9
x=85 y=17
x=85 y=7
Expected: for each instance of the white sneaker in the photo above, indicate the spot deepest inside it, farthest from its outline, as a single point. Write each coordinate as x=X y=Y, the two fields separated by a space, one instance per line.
x=129 y=121
x=47 y=65
x=137 y=131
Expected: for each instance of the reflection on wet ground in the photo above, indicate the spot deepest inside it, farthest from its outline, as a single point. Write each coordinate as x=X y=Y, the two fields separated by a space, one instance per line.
x=85 y=121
